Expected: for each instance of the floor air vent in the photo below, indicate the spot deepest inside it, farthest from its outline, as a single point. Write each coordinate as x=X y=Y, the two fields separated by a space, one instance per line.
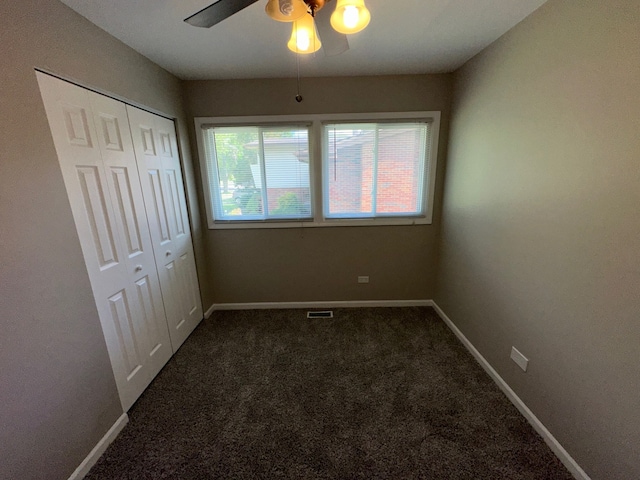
x=324 y=314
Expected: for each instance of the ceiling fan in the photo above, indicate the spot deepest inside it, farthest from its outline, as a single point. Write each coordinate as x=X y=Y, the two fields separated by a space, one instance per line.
x=349 y=16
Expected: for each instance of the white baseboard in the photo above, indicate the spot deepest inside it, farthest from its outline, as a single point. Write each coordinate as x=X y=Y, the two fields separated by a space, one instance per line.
x=318 y=304
x=538 y=426
x=209 y=312
x=99 y=449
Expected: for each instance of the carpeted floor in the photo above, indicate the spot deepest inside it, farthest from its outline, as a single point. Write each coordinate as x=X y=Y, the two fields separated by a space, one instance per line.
x=373 y=393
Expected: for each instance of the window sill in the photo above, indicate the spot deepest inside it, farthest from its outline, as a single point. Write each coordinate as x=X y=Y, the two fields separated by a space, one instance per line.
x=369 y=222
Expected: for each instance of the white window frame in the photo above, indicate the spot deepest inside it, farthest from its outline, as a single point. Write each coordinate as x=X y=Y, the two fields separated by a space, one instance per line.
x=316 y=166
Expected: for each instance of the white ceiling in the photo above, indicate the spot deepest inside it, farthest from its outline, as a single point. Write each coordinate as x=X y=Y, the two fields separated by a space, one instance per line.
x=404 y=36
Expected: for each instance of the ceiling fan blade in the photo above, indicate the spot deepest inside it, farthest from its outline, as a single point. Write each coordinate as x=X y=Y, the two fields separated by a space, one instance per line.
x=217 y=12
x=333 y=43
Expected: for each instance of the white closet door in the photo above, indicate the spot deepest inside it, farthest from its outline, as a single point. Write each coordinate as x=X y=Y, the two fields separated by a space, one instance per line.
x=154 y=141
x=96 y=156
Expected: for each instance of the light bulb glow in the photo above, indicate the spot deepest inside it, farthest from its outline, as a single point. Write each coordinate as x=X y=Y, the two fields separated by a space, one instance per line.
x=350 y=16
x=303 y=41
x=304 y=38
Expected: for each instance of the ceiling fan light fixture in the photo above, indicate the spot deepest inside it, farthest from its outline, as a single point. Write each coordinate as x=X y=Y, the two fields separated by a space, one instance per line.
x=350 y=16
x=304 y=36
x=286 y=10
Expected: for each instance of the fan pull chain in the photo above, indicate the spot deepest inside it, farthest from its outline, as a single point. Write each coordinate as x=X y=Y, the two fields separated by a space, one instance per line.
x=298 y=96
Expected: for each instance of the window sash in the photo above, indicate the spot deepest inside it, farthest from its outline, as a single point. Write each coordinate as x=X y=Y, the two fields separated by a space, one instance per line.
x=417 y=188
x=268 y=177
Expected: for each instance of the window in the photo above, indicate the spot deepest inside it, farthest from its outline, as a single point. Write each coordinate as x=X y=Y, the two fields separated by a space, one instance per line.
x=319 y=170
x=374 y=169
x=258 y=173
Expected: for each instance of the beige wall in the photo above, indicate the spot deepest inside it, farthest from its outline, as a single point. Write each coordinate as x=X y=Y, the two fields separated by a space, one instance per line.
x=57 y=393
x=540 y=244
x=267 y=265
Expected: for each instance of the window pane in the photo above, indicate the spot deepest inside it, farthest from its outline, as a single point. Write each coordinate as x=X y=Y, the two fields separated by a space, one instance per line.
x=243 y=160
x=374 y=169
x=286 y=155
x=400 y=169
x=350 y=169
x=230 y=165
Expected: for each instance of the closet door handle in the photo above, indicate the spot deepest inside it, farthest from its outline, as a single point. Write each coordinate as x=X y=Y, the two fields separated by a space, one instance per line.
x=138 y=268
x=168 y=254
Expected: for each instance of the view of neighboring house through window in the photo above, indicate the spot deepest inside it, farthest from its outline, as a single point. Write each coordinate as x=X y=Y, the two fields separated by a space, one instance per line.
x=319 y=170
x=258 y=173
x=374 y=169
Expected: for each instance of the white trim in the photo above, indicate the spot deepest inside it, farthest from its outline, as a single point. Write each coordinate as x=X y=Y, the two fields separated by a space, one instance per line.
x=321 y=304
x=310 y=118
x=209 y=311
x=538 y=426
x=333 y=222
x=99 y=449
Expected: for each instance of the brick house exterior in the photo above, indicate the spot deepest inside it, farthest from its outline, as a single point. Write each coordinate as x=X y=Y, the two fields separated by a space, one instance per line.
x=351 y=173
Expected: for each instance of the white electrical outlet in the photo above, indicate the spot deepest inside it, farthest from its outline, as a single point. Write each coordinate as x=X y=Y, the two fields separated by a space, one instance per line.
x=363 y=279
x=519 y=358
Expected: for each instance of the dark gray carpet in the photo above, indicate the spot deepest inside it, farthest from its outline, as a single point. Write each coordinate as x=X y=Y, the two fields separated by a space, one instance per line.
x=372 y=393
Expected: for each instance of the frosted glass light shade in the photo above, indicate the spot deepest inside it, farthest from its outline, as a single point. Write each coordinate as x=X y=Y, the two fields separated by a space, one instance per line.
x=304 y=37
x=350 y=16
x=286 y=10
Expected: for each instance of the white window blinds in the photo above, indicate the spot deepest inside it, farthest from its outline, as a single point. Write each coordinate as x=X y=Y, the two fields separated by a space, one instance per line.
x=258 y=173
x=375 y=169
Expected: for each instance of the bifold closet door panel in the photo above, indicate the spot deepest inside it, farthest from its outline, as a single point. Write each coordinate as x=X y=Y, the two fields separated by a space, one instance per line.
x=94 y=148
x=156 y=150
x=121 y=169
